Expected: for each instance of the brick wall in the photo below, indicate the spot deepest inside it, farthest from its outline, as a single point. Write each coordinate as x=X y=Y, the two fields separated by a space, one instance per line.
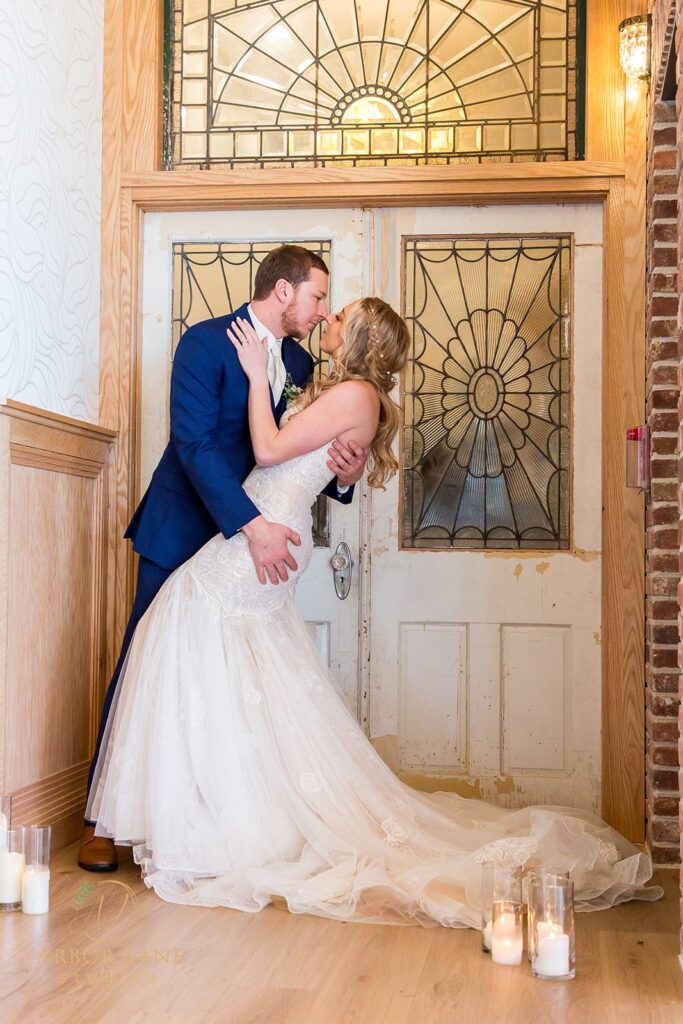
x=679 y=136
x=664 y=698
x=662 y=558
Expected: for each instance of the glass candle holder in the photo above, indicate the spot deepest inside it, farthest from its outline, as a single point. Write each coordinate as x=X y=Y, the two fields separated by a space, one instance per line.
x=12 y=868
x=551 y=906
x=35 y=881
x=507 y=932
x=541 y=871
x=498 y=882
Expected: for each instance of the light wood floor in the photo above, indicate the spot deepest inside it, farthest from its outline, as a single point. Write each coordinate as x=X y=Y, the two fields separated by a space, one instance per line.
x=154 y=962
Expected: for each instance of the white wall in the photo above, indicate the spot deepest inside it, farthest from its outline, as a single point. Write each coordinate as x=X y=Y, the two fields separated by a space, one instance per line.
x=50 y=168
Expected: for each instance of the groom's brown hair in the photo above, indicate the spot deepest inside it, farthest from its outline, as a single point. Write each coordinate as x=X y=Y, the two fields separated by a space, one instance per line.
x=291 y=263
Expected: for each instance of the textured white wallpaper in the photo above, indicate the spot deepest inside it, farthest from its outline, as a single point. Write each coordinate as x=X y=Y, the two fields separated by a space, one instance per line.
x=50 y=168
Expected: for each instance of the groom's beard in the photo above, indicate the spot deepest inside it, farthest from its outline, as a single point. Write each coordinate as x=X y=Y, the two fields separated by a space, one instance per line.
x=291 y=322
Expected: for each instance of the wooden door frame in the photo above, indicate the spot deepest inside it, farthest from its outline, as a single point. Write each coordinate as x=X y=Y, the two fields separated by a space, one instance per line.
x=623 y=581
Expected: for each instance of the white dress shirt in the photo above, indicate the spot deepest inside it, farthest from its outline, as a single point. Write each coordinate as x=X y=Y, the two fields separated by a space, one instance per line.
x=276 y=367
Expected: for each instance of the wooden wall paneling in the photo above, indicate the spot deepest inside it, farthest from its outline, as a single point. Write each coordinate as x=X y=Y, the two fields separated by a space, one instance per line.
x=633 y=399
x=128 y=407
x=110 y=286
x=112 y=353
x=142 y=43
x=604 y=77
x=55 y=588
x=50 y=638
x=4 y=577
x=623 y=531
x=131 y=141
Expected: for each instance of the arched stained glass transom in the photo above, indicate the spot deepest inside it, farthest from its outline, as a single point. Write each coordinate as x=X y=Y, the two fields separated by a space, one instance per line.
x=485 y=456
x=259 y=82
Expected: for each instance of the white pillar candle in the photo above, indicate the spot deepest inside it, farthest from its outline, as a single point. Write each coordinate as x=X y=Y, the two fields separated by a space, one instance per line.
x=35 y=891
x=507 y=944
x=11 y=870
x=552 y=959
x=507 y=950
x=505 y=926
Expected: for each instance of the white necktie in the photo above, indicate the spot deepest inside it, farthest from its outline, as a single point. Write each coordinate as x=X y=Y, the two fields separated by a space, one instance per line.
x=276 y=369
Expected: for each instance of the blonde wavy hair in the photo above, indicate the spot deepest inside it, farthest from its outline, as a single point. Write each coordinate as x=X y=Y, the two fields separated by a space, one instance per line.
x=375 y=342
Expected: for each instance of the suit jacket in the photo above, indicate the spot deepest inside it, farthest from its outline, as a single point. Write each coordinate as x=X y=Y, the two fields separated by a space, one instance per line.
x=196 y=490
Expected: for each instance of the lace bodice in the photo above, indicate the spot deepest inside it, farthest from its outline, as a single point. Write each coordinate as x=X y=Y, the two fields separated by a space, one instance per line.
x=290 y=488
x=224 y=568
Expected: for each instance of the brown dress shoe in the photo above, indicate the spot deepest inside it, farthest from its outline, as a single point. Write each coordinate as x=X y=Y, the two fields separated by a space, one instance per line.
x=96 y=853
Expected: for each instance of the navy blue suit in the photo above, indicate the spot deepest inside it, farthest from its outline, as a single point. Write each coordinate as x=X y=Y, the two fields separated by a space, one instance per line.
x=196 y=490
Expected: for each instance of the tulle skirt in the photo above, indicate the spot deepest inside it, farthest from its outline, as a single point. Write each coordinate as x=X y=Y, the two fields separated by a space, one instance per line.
x=237 y=774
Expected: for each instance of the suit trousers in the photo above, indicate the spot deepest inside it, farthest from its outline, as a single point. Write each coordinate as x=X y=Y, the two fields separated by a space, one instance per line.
x=151 y=578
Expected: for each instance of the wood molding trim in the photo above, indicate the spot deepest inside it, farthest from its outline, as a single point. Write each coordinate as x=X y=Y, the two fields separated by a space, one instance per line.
x=370 y=186
x=604 y=77
x=56 y=800
x=56 y=528
x=623 y=704
x=65 y=424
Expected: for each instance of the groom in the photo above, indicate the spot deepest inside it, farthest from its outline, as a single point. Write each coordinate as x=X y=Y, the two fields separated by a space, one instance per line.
x=196 y=490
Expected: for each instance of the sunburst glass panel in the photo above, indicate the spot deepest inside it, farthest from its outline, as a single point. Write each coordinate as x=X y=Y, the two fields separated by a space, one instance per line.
x=372 y=81
x=485 y=454
x=214 y=278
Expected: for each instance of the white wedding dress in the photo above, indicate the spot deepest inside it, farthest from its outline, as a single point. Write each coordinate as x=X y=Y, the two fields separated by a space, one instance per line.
x=237 y=773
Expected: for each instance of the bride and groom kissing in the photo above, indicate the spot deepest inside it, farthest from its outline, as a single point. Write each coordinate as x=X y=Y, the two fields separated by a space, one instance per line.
x=225 y=756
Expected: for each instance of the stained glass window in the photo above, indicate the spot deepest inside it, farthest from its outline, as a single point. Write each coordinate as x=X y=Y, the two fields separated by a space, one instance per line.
x=258 y=82
x=485 y=454
x=214 y=278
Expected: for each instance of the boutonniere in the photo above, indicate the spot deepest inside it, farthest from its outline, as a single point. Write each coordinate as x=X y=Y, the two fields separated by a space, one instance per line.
x=290 y=391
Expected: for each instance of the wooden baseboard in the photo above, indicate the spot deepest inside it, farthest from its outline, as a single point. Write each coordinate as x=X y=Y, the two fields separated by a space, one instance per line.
x=58 y=800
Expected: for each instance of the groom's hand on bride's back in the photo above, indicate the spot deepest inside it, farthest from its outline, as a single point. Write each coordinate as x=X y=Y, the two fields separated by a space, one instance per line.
x=347 y=461
x=268 y=546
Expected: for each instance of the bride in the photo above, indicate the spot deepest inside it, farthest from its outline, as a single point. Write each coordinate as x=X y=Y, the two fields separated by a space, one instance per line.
x=232 y=766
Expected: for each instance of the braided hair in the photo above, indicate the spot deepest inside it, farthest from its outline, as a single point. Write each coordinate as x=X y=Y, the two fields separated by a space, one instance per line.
x=375 y=348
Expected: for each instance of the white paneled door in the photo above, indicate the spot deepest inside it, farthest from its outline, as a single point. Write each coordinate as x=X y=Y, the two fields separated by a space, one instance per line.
x=468 y=657
x=485 y=664
x=217 y=280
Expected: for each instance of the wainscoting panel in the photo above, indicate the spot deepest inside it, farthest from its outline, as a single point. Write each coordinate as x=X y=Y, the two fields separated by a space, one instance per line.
x=536 y=699
x=56 y=590
x=432 y=723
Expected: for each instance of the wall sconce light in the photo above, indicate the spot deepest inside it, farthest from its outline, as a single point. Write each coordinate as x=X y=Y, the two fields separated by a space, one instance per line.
x=634 y=46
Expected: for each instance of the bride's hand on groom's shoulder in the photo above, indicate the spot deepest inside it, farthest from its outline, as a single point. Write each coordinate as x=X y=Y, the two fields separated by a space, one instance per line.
x=252 y=351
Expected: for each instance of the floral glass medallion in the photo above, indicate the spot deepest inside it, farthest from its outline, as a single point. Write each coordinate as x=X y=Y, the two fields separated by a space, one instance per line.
x=485 y=460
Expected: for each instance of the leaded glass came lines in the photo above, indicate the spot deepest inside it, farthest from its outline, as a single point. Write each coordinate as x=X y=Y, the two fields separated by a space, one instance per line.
x=258 y=82
x=214 y=278
x=485 y=455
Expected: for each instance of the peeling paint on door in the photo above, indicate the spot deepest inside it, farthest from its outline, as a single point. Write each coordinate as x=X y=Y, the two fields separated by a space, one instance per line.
x=507 y=786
